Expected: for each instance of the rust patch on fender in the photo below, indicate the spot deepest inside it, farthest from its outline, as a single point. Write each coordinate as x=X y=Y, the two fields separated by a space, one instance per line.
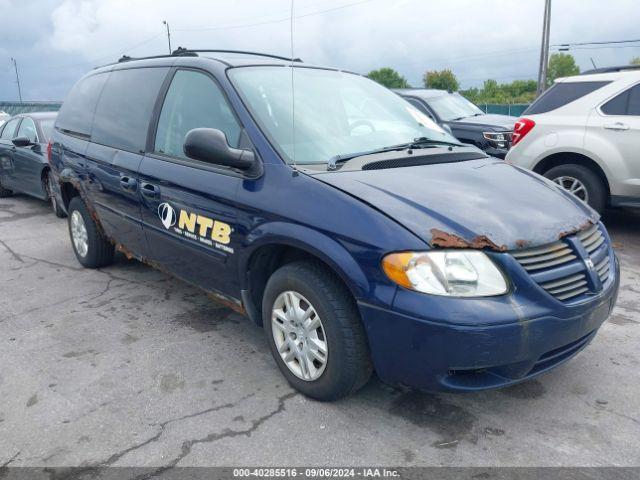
x=443 y=239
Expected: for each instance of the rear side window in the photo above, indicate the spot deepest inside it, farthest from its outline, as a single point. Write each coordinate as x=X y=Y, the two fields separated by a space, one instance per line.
x=9 y=129
x=193 y=100
x=125 y=107
x=561 y=94
x=76 y=114
x=627 y=103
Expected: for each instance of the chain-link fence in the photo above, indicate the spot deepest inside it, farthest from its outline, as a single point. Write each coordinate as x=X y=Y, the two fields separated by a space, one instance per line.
x=513 y=109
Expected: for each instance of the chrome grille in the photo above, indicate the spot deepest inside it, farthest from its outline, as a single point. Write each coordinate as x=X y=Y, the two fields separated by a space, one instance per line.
x=545 y=257
x=603 y=269
x=591 y=238
x=561 y=270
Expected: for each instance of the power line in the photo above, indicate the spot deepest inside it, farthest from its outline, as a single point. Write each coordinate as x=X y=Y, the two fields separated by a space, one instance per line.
x=595 y=43
x=267 y=22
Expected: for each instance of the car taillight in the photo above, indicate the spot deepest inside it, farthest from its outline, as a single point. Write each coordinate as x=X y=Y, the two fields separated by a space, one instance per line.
x=49 y=151
x=522 y=127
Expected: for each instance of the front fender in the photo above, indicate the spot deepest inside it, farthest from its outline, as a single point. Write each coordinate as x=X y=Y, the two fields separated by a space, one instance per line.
x=330 y=251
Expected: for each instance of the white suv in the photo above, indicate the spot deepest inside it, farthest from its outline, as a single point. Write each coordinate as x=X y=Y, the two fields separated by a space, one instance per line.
x=584 y=134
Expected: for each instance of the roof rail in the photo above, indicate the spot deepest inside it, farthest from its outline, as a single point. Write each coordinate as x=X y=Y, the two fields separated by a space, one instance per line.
x=187 y=52
x=620 y=68
x=194 y=52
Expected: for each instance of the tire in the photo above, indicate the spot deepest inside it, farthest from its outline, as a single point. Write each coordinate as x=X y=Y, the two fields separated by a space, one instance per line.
x=99 y=251
x=595 y=190
x=57 y=208
x=347 y=362
x=5 y=192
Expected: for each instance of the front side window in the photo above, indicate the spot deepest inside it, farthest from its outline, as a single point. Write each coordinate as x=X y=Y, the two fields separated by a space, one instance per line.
x=453 y=106
x=9 y=130
x=28 y=130
x=193 y=100
x=332 y=113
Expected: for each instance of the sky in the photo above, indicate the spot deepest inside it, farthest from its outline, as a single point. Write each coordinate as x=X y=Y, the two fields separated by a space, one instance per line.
x=55 y=42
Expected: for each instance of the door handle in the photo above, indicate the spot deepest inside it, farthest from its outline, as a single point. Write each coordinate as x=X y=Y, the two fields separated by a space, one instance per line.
x=128 y=183
x=618 y=126
x=150 y=190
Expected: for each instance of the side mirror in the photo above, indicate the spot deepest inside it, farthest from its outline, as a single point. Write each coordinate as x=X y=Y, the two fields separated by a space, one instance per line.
x=210 y=145
x=447 y=128
x=21 y=142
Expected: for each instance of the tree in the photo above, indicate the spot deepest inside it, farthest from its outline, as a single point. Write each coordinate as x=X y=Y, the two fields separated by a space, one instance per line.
x=635 y=61
x=442 y=80
x=518 y=91
x=388 y=77
x=561 y=65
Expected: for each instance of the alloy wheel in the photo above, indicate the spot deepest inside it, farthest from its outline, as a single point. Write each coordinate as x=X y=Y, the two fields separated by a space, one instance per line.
x=79 y=234
x=299 y=335
x=573 y=186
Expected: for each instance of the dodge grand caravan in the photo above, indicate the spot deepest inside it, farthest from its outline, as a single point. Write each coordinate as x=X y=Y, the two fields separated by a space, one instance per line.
x=357 y=232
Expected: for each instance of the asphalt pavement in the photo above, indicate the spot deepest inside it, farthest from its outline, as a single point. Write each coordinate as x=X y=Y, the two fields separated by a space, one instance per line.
x=127 y=366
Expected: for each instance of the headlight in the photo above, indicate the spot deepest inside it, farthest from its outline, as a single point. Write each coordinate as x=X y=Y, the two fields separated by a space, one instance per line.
x=501 y=139
x=455 y=273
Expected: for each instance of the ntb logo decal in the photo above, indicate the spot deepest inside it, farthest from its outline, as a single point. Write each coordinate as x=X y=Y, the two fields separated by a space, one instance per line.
x=167 y=215
x=206 y=230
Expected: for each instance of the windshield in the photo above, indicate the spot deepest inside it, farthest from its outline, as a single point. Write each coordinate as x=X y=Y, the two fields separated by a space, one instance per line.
x=47 y=125
x=336 y=113
x=453 y=106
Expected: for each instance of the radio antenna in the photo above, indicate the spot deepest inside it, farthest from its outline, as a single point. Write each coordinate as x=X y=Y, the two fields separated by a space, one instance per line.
x=293 y=95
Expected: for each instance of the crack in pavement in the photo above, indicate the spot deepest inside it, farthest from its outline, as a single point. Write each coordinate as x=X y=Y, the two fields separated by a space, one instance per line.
x=4 y=468
x=187 y=445
x=93 y=470
x=11 y=251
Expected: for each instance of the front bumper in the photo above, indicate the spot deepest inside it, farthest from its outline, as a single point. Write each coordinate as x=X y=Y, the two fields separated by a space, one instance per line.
x=527 y=339
x=496 y=152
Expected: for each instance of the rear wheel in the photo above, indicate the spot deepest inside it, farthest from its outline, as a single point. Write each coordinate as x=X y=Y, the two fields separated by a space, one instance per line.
x=57 y=208
x=91 y=248
x=314 y=331
x=581 y=182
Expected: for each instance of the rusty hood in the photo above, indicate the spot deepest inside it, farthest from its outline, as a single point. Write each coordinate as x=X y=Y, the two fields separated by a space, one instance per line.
x=484 y=203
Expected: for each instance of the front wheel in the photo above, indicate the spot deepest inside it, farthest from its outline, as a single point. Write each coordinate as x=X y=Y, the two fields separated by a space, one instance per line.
x=314 y=331
x=91 y=248
x=5 y=192
x=581 y=182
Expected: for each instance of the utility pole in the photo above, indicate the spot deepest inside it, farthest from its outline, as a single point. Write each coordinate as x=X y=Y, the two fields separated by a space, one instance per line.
x=15 y=67
x=168 y=35
x=544 y=49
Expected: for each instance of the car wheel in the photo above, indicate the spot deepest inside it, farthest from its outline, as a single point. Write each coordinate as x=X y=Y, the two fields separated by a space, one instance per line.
x=91 y=248
x=57 y=208
x=5 y=192
x=581 y=182
x=314 y=331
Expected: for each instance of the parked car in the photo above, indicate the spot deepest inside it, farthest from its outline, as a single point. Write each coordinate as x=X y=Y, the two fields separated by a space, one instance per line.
x=584 y=134
x=392 y=247
x=468 y=123
x=23 y=157
x=4 y=116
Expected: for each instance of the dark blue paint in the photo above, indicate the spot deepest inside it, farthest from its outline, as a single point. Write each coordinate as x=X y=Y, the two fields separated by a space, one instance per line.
x=350 y=220
x=22 y=168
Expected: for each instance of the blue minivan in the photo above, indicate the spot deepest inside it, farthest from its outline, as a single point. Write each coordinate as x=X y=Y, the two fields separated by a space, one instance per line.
x=356 y=231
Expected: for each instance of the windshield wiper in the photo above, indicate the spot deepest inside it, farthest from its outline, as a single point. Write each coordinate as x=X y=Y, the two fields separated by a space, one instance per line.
x=420 y=142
